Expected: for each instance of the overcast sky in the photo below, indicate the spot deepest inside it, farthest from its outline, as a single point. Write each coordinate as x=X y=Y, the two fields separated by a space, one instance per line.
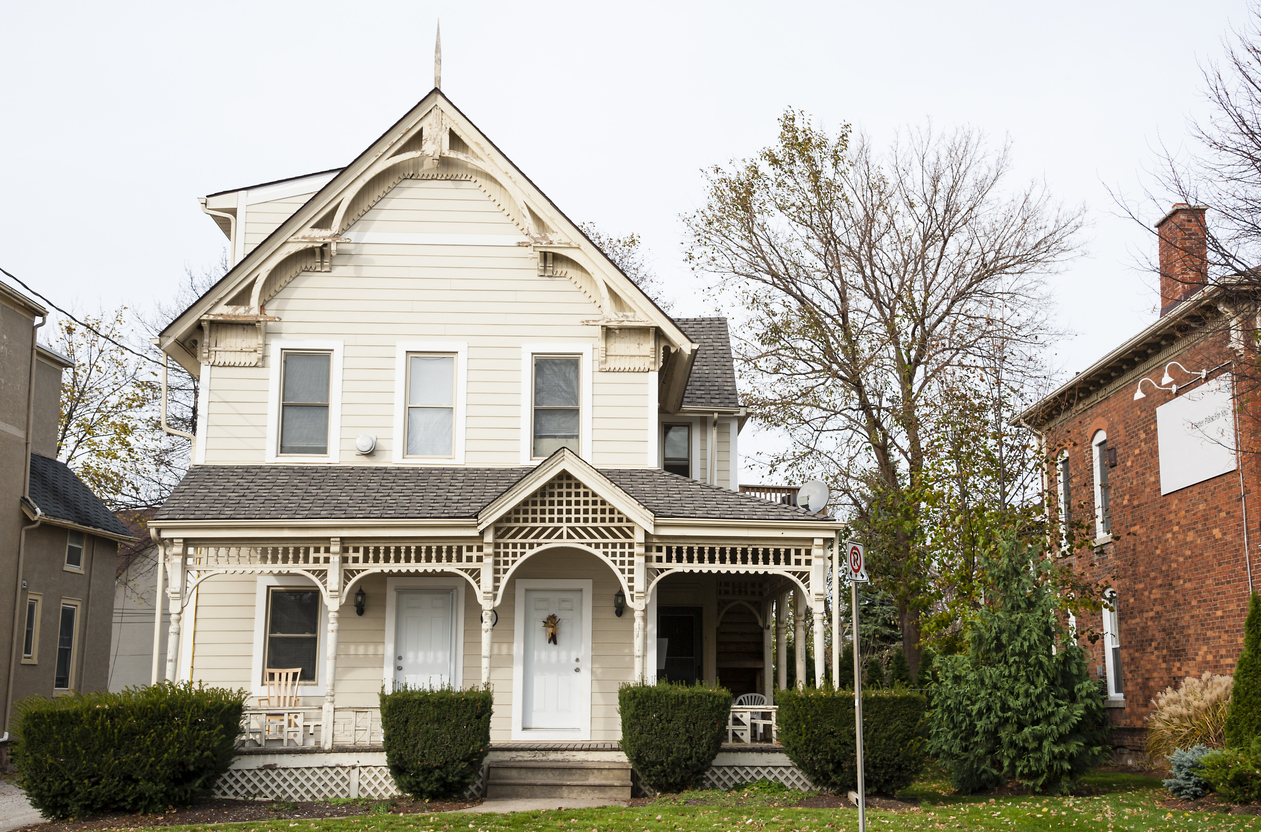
x=115 y=117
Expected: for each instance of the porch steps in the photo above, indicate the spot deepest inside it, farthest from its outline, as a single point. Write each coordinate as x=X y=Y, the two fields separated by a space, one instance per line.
x=545 y=779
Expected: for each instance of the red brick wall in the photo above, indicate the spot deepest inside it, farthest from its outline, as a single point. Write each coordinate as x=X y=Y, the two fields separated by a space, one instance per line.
x=1177 y=561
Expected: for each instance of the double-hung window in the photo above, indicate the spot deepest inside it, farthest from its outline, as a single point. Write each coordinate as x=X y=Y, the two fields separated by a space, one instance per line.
x=1065 y=497
x=74 y=551
x=677 y=450
x=1101 y=462
x=1112 y=646
x=30 y=633
x=557 y=404
x=430 y=423
x=293 y=630
x=304 y=401
x=67 y=642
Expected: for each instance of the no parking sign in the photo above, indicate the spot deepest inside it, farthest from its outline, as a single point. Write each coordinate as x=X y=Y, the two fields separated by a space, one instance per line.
x=857 y=562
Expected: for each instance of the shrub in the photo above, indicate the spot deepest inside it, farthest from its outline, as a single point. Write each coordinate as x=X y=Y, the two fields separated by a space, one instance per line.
x=874 y=673
x=845 y=679
x=671 y=732
x=1011 y=706
x=1186 y=766
x=1243 y=718
x=1235 y=774
x=816 y=727
x=140 y=750
x=1194 y=714
x=899 y=670
x=436 y=740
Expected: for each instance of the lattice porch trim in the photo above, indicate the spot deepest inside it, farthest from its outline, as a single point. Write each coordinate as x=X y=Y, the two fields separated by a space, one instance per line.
x=726 y=777
x=328 y=782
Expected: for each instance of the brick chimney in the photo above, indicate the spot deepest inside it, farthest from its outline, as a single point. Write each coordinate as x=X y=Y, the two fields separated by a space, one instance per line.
x=1183 y=254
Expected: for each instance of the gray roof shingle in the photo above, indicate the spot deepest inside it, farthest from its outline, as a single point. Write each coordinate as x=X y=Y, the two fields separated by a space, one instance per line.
x=293 y=492
x=62 y=496
x=713 y=379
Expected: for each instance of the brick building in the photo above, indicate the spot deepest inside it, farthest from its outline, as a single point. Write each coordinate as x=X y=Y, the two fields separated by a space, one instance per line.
x=1153 y=454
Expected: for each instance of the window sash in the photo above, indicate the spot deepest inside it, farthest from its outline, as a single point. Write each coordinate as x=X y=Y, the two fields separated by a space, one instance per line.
x=66 y=637
x=557 y=398
x=1103 y=511
x=430 y=396
x=677 y=438
x=293 y=632
x=305 y=380
x=74 y=549
x=32 y=622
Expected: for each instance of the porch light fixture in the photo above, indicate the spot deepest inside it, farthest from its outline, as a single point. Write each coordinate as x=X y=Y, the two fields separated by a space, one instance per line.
x=360 y=599
x=1166 y=381
x=619 y=603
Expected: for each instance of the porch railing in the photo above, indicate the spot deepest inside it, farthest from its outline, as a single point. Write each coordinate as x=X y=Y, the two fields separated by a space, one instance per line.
x=294 y=727
x=752 y=725
x=783 y=494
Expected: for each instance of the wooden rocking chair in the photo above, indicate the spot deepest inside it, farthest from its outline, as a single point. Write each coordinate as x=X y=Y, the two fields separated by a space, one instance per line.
x=282 y=692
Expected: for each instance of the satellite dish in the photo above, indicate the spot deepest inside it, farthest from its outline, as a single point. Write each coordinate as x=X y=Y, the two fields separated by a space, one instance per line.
x=365 y=443
x=813 y=496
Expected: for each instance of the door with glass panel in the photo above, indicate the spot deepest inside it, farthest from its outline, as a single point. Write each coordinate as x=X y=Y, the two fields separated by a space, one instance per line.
x=424 y=641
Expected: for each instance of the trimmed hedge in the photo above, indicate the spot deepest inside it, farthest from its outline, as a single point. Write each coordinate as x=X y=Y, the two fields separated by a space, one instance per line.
x=436 y=740
x=141 y=750
x=816 y=727
x=671 y=733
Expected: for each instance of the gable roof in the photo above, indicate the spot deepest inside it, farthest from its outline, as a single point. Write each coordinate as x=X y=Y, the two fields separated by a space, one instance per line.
x=420 y=138
x=64 y=500
x=282 y=493
x=712 y=383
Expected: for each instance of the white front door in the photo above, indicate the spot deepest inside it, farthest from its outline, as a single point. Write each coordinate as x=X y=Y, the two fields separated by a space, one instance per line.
x=424 y=649
x=555 y=681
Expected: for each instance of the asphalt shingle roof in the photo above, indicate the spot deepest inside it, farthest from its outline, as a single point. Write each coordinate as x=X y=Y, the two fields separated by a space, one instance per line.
x=62 y=496
x=293 y=492
x=713 y=379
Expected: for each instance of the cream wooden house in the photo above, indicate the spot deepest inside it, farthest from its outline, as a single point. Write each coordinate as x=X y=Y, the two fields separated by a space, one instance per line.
x=433 y=415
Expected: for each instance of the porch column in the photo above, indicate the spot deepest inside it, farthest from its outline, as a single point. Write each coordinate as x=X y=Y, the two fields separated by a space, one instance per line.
x=175 y=594
x=768 y=643
x=820 y=654
x=818 y=593
x=781 y=641
x=330 y=641
x=488 y=600
x=799 y=635
x=641 y=604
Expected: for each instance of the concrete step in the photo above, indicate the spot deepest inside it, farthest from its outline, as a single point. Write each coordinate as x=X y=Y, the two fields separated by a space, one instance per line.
x=559 y=779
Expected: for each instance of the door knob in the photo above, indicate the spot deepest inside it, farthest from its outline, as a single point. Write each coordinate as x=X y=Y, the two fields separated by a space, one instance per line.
x=400 y=667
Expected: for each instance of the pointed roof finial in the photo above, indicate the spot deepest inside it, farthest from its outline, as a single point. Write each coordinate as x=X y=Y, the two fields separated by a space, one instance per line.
x=437 y=58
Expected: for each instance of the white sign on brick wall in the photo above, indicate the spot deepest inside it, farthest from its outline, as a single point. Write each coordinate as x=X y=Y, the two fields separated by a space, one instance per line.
x=1195 y=434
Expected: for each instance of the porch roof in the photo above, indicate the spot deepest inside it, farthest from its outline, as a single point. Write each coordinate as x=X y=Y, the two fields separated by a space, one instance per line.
x=299 y=492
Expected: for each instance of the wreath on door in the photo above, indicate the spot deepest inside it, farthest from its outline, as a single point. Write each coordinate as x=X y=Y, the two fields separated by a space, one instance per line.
x=550 y=624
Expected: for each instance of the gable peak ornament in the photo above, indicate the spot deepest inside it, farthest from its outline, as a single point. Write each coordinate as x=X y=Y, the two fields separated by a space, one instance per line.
x=437 y=58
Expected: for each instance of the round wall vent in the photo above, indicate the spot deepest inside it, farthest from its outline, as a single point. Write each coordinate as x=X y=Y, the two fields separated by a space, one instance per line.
x=365 y=443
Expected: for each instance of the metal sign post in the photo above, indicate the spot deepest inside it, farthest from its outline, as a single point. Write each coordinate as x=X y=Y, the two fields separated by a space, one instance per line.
x=857 y=558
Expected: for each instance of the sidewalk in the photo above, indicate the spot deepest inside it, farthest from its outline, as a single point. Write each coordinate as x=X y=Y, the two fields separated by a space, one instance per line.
x=15 y=811
x=525 y=805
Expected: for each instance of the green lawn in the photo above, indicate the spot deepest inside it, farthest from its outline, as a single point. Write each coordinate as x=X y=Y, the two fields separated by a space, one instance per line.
x=1109 y=801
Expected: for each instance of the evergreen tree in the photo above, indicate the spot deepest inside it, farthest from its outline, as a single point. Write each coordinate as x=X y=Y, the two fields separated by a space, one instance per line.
x=1243 y=718
x=899 y=670
x=845 y=681
x=1020 y=702
x=874 y=673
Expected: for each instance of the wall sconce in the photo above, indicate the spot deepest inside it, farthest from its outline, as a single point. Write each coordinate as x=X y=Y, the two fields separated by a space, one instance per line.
x=619 y=603
x=1166 y=381
x=360 y=600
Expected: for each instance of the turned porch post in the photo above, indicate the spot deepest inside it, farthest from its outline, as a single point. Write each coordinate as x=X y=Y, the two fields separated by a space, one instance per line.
x=781 y=641
x=818 y=591
x=330 y=640
x=640 y=604
x=178 y=580
x=799 y=635
x=768 y=644
x=488 y=600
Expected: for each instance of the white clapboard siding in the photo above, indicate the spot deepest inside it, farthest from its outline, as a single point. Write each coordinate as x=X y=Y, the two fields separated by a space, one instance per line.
x=381 y=293
x=262 y=218
x=223 y=631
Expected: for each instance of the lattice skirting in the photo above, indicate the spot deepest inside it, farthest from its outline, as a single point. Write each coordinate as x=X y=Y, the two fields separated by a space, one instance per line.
x=324 y=782
x=726 y=777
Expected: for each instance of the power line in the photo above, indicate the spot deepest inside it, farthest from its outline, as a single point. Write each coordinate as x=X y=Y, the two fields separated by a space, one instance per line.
x=86 y=326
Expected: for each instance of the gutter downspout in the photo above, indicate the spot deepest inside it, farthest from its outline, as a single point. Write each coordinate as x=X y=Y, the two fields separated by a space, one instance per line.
x=713 y=450
x=166 y=360
x=26 y=495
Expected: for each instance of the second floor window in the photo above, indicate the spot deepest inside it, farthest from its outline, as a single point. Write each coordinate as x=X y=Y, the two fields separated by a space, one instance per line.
x=74 y=551
x=430 y=405
x=677 y=450
x=1065 y=500
x=1101 y=463
x=557 y=404
x=304 y=403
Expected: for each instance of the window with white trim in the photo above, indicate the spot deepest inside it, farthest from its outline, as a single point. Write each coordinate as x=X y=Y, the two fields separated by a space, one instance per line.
x=293 y=631
x=556 y=416
x=30 y=633
x=430 y=420
x=1101 y=463
x=1065 y=497
x=1112 y=646
x=304 y=403
x=67 y=645
x=74 y=551
x=677 y=450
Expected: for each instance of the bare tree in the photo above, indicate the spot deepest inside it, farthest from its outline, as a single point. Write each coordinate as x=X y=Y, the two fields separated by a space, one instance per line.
x=864 y=280
x=628 y=255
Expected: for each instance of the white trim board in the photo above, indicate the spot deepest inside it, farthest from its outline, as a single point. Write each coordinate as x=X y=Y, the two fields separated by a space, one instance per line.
x=400 y=239
x=518 y=660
